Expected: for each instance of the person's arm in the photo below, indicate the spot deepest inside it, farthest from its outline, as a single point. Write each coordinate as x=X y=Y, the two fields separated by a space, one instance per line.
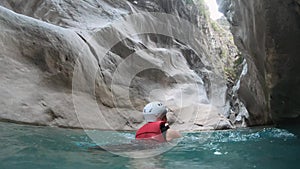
x=172 y=134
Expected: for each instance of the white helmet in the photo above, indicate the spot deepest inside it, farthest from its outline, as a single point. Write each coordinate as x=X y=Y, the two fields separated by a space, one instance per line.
x=153 y=111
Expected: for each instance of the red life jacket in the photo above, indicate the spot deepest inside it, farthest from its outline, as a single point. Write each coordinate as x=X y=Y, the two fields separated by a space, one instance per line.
x=151 y=131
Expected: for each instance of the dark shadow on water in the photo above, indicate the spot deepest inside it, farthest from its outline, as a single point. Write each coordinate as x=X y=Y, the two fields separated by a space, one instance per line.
x=290 y=124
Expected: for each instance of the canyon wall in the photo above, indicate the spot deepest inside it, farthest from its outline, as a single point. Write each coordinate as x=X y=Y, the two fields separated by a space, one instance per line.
x=95 y=64
x=267 y=32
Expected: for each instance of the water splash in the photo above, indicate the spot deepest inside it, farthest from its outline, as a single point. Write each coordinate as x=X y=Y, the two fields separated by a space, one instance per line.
x=241 y=135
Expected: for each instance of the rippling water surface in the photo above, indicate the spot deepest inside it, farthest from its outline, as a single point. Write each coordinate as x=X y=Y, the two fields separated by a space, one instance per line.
x=32 y=147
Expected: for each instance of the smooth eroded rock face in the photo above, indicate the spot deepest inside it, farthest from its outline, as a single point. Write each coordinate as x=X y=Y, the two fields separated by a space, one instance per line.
x=267 y=32
x=95 y=64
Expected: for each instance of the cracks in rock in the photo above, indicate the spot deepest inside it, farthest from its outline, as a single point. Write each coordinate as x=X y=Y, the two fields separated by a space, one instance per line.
x=197 y=124
x=128 y=124
x=95 y=55
x=53 y=115
x=107 y=105
x=91 y=48
x=127 y=121
x=21 y=122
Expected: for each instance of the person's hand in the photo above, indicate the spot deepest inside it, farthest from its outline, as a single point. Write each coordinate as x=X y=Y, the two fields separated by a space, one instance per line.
x=172 y=134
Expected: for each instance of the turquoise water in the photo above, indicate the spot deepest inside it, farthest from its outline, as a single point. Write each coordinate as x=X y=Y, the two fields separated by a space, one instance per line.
x=33 y=147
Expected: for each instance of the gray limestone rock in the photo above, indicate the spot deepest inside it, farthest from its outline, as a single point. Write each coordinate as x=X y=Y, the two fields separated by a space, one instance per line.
x=95 y=64
x=267 y=33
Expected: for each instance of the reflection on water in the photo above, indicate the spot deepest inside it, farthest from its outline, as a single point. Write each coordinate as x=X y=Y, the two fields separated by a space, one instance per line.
x=45 y=147
x=146 y=163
